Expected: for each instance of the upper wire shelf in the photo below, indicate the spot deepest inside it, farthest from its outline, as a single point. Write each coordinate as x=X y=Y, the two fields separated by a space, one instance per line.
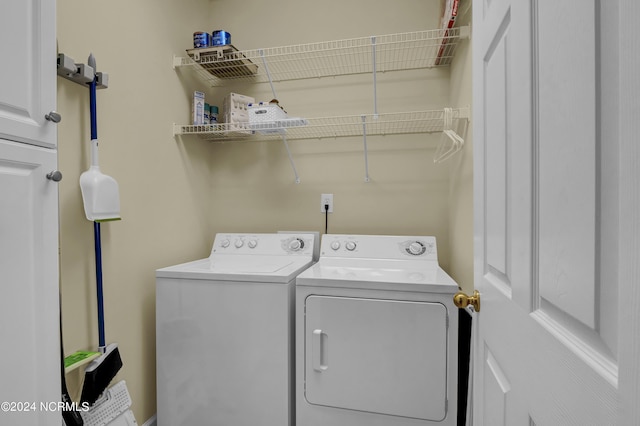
x=413 y=50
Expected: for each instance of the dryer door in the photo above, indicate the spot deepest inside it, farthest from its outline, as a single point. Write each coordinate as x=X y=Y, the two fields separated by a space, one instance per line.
x=380 y=356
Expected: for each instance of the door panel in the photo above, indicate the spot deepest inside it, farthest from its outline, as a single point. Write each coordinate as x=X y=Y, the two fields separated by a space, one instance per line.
x=569 y=222
x=496 y=391
x=495 y=63
x=567 y=125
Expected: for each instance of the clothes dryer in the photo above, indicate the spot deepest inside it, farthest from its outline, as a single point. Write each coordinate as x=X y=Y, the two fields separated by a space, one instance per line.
x=376 y=335
x=225 y=329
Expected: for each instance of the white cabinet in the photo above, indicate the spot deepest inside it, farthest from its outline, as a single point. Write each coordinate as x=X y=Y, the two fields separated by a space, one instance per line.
x=28 y=71
x=29 y=308
x=29 y=292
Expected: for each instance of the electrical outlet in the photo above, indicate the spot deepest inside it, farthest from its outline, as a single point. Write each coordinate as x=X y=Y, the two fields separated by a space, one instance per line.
x=326 y=199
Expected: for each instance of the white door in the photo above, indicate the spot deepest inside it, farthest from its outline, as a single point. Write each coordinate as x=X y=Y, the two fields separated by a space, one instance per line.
x=29 y=315
x=28 y=71
x=557 y=227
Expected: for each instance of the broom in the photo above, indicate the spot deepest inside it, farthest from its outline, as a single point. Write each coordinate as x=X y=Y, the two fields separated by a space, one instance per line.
x=70 y=415
x=101 y=201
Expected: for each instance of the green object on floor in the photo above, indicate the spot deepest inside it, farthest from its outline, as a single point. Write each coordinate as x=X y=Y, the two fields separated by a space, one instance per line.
x=79 y=358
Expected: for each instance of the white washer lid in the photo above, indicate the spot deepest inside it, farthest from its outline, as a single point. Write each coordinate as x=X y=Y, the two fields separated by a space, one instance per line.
x=398 y=275
x=272 y=269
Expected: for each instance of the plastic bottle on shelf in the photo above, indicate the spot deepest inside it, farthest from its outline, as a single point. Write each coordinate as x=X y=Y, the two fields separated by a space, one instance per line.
x=206 y=111
x=213 y=114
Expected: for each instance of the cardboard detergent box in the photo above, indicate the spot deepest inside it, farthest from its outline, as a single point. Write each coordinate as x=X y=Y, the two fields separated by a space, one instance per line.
x=235 y=108
x=197 y=109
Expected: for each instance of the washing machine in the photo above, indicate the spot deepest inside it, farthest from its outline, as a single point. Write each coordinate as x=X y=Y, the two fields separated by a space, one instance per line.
x=225 y=332
x=376 y=335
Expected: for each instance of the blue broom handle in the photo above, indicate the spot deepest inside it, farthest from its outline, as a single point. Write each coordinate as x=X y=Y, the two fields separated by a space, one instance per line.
x=96 y=227
x=92 y=106
x=98 y=249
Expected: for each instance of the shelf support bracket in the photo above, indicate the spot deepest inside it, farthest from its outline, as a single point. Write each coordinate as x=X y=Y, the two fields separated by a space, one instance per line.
x=293 y=164
x=266 y=68
x=366 y=153
x=375 y=86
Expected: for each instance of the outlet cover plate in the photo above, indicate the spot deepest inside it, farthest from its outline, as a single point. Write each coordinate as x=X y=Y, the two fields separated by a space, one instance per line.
x=326 y=199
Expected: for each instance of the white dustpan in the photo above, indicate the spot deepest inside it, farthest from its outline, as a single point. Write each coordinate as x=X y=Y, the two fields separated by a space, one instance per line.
x=100 y=193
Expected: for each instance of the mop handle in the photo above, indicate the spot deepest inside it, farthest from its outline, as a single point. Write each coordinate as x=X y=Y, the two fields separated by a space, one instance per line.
x=98 y=249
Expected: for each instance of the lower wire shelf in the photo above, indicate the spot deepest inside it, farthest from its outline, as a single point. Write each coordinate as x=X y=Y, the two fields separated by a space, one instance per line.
x=447 y=120
x=327 y=127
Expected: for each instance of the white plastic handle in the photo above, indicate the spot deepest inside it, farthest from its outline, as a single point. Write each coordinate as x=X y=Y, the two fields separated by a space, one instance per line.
x=319 y=350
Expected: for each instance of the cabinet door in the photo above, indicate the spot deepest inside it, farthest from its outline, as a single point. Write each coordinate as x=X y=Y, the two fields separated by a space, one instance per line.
x=378 y=356
x=28 y=71
x=29 y=308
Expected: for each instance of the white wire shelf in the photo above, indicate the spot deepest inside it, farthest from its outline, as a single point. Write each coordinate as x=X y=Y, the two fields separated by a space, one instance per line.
x=328 y=127
x=414 y=50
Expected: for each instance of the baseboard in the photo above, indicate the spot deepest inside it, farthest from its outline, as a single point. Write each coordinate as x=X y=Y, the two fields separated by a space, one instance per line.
x=153 y=421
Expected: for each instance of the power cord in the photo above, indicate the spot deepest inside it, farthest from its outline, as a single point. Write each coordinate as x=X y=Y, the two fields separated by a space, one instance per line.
x=326 y=218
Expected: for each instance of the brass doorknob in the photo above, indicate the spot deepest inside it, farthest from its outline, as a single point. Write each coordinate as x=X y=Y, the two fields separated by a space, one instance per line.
x=462 y=300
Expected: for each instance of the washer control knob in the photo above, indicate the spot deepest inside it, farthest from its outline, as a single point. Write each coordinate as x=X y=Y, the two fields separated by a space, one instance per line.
x=335 y=245
x=351 y=245
x=239 y=243
x=296 y=244
x=225 y=243
x=416 y=248
x=252 y=243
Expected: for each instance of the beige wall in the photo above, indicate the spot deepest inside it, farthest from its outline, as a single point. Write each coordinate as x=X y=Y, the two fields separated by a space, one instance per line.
x=253 y=184
x=177 y=193
x=163 y=185
x=461 y=193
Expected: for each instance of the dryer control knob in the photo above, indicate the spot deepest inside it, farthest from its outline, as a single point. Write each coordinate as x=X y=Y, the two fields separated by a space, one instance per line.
x=296 y=244
x=239 y=243
x=252 y=243
x=351 y=245
x=416 y=248
x=335 y=245
x=225 y=243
